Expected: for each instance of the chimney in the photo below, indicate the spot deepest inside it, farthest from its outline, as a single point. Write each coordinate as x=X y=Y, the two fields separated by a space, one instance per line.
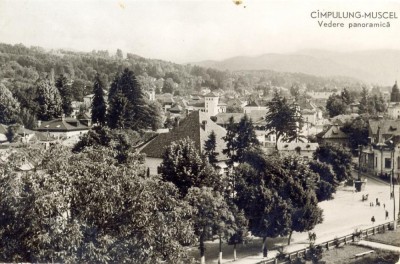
x=39 y=123
x=379 y=135
x=204 y=125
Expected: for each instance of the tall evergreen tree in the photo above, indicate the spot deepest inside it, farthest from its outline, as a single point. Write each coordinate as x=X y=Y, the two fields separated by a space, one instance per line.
x=9 y=106
x=98 y=104
x=347 y=97
x=117 y=111
x=49 y=101
x=209 y=148
x=364 y=102
x=136 y=113
x=65 y=93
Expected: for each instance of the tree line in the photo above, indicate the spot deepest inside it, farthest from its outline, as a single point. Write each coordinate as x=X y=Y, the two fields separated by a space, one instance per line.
x=100 y=204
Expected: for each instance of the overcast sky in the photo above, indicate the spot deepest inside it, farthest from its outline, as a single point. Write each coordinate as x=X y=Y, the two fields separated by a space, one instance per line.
x=190 y=30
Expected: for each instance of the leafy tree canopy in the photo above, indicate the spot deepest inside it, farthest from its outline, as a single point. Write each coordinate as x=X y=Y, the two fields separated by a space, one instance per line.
x=183 y=166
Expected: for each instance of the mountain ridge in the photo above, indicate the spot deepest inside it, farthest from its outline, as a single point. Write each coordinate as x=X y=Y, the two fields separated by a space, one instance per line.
x=372 y=66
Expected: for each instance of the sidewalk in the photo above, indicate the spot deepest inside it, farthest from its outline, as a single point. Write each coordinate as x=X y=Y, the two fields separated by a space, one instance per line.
x=375 y=245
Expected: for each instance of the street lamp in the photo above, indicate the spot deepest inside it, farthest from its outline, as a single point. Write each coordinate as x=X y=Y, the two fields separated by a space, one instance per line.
x=391 y=144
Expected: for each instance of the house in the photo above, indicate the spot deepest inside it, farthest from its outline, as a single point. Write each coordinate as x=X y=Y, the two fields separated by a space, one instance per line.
x=151 y=94
x=304 y=150
x=382 y=158
x=393 y=110
x=64 y=127
x=210 y=104
x=384 y=128
x=87 y=100
x=334 y=135
x=340 y=120
x=25 y=135
x=235 y=103
x=166 y=100
x=321 y=95
x=196 y=126
x=255 y=105
x=266 y=139
x=354 y=107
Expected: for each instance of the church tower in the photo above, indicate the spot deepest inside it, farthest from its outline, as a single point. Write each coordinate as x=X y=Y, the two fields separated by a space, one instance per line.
x=211 y=104
x=395 y=94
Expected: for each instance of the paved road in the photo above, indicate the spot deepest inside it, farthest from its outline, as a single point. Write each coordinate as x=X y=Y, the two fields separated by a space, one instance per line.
x=342 y=215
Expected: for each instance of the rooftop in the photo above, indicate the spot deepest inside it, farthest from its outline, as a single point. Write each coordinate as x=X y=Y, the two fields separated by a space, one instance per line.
x=196 y=126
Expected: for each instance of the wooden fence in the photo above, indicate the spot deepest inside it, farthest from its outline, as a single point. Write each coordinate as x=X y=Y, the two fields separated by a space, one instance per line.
x=336 y=242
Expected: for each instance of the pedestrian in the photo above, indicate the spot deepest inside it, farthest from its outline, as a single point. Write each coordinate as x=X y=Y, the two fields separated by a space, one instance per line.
x=373 y=220
x=386 y=214
x=377 y=201
x=384 y=206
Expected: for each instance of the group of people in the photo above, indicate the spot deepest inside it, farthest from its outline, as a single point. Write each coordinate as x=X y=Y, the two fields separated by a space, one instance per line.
x=378 y=204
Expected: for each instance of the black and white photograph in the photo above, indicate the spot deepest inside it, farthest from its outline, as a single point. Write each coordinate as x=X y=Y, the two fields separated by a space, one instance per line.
x=200 y=131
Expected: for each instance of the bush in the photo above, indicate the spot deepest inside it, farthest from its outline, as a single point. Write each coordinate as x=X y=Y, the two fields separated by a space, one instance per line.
x=314 y=254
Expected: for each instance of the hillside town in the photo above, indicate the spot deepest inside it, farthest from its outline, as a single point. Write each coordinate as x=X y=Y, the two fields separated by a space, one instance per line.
x=320 y=142
x=199 y=132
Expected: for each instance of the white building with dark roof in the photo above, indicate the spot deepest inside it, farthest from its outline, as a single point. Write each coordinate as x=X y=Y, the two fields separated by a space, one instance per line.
x=304 y=150
x=64 y=127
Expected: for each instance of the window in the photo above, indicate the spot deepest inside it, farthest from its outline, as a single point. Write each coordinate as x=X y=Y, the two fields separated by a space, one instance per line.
x=388 y=163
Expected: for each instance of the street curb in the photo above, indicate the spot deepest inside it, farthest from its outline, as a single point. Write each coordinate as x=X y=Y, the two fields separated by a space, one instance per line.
x=372 y=177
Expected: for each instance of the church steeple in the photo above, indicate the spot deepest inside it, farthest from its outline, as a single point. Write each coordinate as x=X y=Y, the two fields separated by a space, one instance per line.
x=395 y=94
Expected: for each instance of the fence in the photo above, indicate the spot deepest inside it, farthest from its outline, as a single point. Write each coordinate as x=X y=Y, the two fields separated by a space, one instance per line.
x=336 y=242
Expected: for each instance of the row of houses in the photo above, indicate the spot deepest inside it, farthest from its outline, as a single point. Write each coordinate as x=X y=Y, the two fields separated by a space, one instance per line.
x=382 y=155
x=61 y=130
x=198 y=125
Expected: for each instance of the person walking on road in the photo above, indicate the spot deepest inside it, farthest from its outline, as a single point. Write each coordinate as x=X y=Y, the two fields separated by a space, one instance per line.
x=373 y=219
x=386 y=214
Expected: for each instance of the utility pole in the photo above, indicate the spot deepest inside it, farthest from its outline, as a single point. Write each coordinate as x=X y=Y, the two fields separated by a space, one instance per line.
x=392 y=145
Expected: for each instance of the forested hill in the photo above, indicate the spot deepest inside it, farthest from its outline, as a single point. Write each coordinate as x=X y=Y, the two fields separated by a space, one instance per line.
x=21 y=67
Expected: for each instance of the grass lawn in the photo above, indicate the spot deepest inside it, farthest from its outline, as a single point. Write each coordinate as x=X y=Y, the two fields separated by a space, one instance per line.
x=389 y=237
x=346 y=254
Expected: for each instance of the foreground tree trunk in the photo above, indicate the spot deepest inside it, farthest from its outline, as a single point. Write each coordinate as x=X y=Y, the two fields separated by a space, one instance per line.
x=234 y=251
x=220 y=251
x=202 y=251
x=290 y=237
x=264 y=247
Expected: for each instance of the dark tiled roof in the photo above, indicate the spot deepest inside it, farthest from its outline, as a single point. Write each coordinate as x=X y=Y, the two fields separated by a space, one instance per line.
x=334 y=132
x=177 y=108
x=253 y=103
x=211 y=95
x=60 y=125
x=192 y=127
x=342 y=119
x=387 y=127
x=257 y=116
x=291 y=146
x=197 y=103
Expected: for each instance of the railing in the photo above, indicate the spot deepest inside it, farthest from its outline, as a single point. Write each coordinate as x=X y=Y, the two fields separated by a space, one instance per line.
x=336 y=242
